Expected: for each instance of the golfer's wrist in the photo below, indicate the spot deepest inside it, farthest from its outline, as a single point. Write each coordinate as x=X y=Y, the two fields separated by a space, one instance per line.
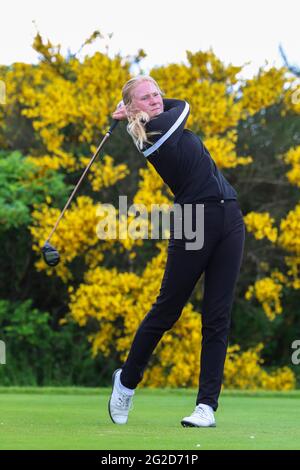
x=120 y=113
x=119 y=116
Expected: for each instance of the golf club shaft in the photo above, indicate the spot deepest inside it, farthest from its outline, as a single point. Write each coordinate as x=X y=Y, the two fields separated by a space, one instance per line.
x=107 y=135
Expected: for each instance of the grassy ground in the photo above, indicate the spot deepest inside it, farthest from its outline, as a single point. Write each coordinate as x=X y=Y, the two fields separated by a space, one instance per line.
x=76 y=418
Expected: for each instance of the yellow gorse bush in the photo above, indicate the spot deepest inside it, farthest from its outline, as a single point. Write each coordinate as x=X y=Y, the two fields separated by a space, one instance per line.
x=268 y=293
x=115 y=299
x=68 y=104
x=262 y=91
x=76 y=233
x=289 y=237
x=223 y=150
x=243 y=370
x=292 y=157
x=261 y=225
x=268 y=290
x=104 y=174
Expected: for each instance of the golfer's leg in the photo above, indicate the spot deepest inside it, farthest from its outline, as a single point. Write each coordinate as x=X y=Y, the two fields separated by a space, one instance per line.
x=183 y=269
x=220 y=279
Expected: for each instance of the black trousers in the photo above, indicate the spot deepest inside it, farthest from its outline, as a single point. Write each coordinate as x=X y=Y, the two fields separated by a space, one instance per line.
x=220 y=259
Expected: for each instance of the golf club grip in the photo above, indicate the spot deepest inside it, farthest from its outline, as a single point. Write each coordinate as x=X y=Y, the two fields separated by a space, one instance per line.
x=113 y=125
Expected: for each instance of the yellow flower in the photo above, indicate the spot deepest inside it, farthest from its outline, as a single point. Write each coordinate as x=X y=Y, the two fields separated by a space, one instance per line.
x=261 y=225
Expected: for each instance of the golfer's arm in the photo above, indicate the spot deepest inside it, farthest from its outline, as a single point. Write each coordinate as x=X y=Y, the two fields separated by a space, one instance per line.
x=170 y=123
x=172 y=103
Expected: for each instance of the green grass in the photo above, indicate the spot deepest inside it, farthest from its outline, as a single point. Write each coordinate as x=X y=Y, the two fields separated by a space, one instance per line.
x=77 y=418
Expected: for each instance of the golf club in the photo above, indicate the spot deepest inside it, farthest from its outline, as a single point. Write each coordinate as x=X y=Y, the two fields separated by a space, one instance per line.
x=50 y=254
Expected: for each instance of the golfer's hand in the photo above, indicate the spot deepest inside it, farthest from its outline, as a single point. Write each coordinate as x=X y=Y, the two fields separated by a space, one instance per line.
x=120 y=113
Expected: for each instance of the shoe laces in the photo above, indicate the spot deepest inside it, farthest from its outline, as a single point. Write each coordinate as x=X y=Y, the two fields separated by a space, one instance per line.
x=124 y=401
x=202 y=412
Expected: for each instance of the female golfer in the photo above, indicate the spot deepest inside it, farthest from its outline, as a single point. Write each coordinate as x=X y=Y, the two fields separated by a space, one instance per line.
x=179 y=156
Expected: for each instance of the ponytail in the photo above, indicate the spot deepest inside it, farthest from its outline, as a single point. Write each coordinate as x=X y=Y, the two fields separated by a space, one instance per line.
x=136 y=128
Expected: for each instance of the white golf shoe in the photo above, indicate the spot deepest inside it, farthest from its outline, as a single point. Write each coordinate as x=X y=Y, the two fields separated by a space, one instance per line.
x=202 y=417
x=120 y=403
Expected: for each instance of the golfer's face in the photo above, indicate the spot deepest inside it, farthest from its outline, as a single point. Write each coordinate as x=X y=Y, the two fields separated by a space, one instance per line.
x=146 y=97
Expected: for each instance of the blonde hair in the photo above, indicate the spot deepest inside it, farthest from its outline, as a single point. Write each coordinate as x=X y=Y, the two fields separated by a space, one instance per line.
x=136 y=123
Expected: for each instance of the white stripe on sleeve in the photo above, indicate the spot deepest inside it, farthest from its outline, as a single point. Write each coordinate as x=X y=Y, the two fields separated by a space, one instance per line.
x=169 y=132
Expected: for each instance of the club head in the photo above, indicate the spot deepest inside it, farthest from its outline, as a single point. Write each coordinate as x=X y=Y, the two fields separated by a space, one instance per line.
x=50 y=254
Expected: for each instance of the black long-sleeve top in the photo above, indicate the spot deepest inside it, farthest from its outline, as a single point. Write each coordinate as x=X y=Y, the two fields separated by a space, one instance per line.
x=181 y=158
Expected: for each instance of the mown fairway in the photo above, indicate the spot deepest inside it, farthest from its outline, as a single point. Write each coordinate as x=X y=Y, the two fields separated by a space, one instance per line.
x=70 y=418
